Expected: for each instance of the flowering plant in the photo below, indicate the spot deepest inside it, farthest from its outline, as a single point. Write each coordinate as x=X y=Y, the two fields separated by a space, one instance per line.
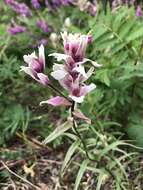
x=115 y=103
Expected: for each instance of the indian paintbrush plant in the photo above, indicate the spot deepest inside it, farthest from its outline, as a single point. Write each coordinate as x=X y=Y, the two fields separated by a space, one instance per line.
x=92 y=148
x=71 y=75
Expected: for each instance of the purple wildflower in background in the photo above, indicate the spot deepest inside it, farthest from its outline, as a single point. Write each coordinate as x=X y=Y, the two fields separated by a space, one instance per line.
x=13 y=30
x=57 y=2
x=35 y=4
x=63 y=2
x=47 y=3
x=20 y=8
x=138 y=11
x=66 y=2
x=54 y=4
x=92 y=9
x=23 y=9
x=43 y=25
x=9 y=2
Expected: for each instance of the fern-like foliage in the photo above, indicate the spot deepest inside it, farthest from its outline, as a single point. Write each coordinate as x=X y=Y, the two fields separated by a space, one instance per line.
x=117 y=41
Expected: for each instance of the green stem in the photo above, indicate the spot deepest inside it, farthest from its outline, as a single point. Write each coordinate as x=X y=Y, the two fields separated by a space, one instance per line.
x=59 y=92
x=84 y=144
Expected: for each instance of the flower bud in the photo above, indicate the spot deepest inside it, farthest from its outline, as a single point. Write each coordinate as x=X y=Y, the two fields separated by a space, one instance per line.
x=54 y=39
x=67 y=22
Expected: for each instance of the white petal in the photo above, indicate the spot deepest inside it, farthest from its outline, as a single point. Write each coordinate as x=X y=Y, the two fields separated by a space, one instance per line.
x=28 y=71
x=28 y=58
x=82 y=44
x=80 y=69
x=42 y=55
x=60 y=56
x=64 y=35
x=87 y=88
x=88 y=74
x=59 y=74
x=77 y=99
x=91 y=87
x=94 y=63
x=58 y=67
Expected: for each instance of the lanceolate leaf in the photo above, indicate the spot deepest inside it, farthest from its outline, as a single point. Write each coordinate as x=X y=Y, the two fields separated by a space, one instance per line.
x=112 y=146
x=57 y=132
x=100 y=179
x=69 y=154
x=136 y=34
x=80 y=174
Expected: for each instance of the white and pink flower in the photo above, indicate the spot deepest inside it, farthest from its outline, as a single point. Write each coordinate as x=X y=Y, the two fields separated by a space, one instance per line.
x=36 y=66
x=71 y=75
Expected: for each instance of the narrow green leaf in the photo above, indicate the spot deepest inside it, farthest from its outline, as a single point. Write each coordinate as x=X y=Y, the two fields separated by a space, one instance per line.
x=57 y=132
x=136 y=34
x=126 y=28
x=100 y=180
x=99 y=33
x=110 y=147
x=69 y=154
x=81 y=171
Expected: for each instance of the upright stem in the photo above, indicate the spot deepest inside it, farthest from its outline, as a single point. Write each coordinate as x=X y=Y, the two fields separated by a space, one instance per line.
x=77 y=133
x=83 y=142
x=59 y=92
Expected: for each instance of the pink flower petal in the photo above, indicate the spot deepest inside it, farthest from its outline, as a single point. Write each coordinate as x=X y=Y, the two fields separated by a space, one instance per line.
x=29 y=71
x=43 y=79
x=86 y=89
x=57 y=101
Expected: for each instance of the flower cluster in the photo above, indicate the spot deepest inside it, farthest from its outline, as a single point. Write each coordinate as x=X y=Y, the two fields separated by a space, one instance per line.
x=54 y=4
x=43 y=25
x=35 y=4
x=20 y=8
x=138 y=11
x=71 y=75
x=15 y=29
